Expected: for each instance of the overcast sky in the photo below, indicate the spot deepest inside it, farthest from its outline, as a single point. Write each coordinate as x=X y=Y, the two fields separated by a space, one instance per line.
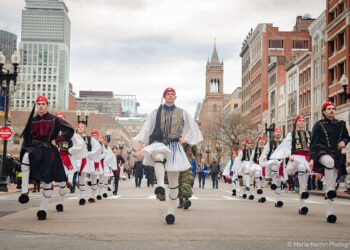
x=143 y=46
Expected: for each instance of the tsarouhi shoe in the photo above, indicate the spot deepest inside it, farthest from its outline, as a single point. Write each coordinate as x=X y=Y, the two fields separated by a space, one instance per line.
x=262 y=199
x=99 y=197
x=105 y=195
x=259 y=191
x=303 y=211
x=82 y=201
x=234 y=192
x=160 y=193
x=244 y=196
x=304 y=195
x=91 y=200
x=187 y=203
x=331 y=218
x=170 y=219
x=23 y=198
x=273 y=186
x=59 y=208
x=251 y=197
x=41 y=215
x=279 y=204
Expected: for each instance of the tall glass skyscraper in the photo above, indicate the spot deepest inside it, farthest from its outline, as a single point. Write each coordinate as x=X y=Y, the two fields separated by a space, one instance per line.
x=45 y=52
x=8 y=43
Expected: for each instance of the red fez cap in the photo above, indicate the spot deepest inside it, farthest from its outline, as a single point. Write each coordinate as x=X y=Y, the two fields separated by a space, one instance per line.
x=326 y=104
x=299 y=117
x=79 y=124
x=248 y=141
x=60 y=114
x=261 y=138
x=101 y=136
x=167 y=90
x=42 y=99
x=234 y=152
x=241 y=148
x=277 y=129
x=94 y=132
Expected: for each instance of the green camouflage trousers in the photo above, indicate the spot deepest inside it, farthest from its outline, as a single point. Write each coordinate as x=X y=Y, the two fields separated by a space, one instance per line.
x=185 y=179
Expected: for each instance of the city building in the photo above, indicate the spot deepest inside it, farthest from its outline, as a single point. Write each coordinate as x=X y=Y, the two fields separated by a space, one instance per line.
x=276 y=91
x=198 y=110
x=72 y=102
x=337 y=53
x=45 y=53
x=318 y=69
x=245 y=108
x=8 y=43
x=129 y=105
x=131 y=124
x=233 y=103
x=264 y=42
x=99 y=102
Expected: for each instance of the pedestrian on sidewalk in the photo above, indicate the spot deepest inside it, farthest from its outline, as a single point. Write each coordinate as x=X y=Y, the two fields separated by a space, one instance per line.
x=138 y=169
x=117 y=172
x=214 y=172
x=202 y=174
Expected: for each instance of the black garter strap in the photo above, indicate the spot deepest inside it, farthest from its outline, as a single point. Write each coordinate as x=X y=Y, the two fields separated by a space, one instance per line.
x=47 y=188
x=163 y=161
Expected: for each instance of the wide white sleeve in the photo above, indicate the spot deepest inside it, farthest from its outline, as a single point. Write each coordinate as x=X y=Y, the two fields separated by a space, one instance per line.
x=147 y=128
x=251 y=160
x=284 y=149
x=264 y=154
x=104 y=152
x=110 y=159
x=238 y=162
x=191 y=132
x=78 y=150
x=95 y=153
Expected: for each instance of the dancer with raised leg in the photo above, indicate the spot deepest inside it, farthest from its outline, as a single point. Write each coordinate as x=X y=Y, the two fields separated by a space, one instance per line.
x=329 y=137
x=39 y=153
x=165 y=130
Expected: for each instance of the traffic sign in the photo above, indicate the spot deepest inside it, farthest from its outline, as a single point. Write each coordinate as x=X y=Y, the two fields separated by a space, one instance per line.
x=5 y=133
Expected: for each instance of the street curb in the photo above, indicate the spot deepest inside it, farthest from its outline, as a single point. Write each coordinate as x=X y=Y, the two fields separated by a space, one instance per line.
x=29 y=189
x=323 y=194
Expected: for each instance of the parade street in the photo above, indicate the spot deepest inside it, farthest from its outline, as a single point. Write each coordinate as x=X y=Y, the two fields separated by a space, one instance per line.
x=135 y=220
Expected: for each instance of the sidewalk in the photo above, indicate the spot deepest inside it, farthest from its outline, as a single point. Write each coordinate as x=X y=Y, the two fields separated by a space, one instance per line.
x=340 y=193
x=12 y=188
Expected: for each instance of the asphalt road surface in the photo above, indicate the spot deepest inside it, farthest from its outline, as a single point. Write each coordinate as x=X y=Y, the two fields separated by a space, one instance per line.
x=134 y=219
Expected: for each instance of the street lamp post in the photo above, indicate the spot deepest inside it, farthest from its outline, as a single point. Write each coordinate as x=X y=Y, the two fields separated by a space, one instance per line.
x=208 y=152
x=344 y=81
x=270 y=130
x=5 y=79
x=108 y=136
x=121 y=146
x=219 y=149
x=86 y=117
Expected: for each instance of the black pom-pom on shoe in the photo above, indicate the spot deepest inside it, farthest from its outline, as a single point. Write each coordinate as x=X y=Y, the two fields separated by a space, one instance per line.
x=91 y=200
x=82 y=202
x=259 y=191
x=59 y=208
x=331 y=194
x=23 y=198
x=234 y=192
x=304 y=195
x=41 y=215
x=279 y=204
x=170 y=219
x=244 y=196
x=273 y=186
x=105 y=195
x=251 y=197
x=303 y=211
x=331 y=218
x=262 y=200
x=99 y=197
x=160 y=193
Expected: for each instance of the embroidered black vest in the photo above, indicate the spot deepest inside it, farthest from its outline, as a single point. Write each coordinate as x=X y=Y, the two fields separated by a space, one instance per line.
x=246 y=154
x=257 y=154
x=301 y=140
x=87 y=140
x=273 y=145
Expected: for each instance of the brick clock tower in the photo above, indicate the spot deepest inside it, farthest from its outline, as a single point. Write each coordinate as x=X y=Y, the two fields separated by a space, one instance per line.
x=213 y=102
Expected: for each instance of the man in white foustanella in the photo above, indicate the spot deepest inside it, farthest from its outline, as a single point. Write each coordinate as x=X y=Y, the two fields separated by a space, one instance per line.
x=165 y=130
